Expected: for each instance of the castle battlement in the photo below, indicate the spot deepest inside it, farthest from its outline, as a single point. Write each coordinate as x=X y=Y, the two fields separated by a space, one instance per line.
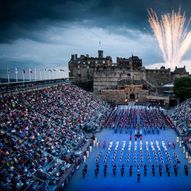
x=103 y=74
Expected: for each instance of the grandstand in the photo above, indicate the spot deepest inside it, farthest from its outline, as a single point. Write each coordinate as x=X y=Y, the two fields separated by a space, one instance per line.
x=56 y=136
x=43 y=134
x=182 y=119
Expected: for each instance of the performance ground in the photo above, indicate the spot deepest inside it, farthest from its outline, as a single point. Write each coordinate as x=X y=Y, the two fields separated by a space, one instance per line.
x=117 y=156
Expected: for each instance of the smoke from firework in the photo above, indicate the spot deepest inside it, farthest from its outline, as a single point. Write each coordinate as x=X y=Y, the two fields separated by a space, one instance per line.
x=172 y=35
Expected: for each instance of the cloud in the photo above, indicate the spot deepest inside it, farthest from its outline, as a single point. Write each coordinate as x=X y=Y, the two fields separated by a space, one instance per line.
x=59 y=42
x=18 y=18
x=46 y=33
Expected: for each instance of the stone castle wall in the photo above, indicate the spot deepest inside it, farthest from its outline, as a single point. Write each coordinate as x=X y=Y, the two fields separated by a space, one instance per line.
x=122 y=96
x=112 y=81
x=108 y=78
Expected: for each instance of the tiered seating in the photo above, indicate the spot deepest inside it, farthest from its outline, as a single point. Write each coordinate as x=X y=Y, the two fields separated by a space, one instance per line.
x=182 y=119
x=41 y=131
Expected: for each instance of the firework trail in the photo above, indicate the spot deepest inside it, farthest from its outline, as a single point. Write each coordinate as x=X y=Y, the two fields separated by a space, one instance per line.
x=172 y=36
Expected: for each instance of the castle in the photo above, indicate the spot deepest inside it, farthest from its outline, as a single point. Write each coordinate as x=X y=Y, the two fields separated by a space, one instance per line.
x=125 y=80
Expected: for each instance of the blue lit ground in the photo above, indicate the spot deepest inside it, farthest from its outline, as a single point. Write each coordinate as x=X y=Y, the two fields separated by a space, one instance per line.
x=90 y=183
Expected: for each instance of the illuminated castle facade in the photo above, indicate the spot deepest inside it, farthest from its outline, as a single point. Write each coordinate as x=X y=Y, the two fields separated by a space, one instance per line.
x=122 y=81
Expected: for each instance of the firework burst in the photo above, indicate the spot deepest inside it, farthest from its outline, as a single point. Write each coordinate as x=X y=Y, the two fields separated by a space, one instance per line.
x=172 y=35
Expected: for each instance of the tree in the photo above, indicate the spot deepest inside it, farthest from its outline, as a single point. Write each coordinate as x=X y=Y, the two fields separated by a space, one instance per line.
x=182 y=88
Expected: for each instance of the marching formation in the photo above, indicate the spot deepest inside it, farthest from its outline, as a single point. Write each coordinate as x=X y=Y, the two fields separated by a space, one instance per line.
x=138 y=121
x=144 y=152
x=138 y=158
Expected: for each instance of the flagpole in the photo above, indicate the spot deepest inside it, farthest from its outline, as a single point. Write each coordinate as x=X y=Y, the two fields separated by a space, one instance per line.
x=40 y=74
x=16 y=74
x=45 y=74
x=29 y=74
x=35 y=74
x=64 y=74
x=23 y=76
x=8 y=77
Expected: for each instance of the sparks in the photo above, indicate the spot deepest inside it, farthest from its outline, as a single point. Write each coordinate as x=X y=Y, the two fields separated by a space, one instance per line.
x=173 y=37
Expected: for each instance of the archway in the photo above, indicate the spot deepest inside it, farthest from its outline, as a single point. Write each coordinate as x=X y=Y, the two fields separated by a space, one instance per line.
x=132 y=97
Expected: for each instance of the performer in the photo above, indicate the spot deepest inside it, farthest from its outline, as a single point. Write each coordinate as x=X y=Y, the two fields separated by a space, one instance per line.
x=114 y=172
x=122 y=170
x=175 y=170
x=138 y=175
x=186 y=169
x=105 y=172
x=160 y=170
x=131 y=170
x=153 y=170
x=96 y=172
x=145 y=170
x=86 y=168
x=83 y=173
x=104 y=145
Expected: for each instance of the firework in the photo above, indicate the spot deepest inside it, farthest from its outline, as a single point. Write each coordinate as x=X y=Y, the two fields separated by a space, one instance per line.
x=172 y=36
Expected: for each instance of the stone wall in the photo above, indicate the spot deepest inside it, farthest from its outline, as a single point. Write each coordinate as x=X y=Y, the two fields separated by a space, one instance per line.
x=158 y=76
x=111 y=81
x=108 y=78
x=122 y=96
x=81 y=69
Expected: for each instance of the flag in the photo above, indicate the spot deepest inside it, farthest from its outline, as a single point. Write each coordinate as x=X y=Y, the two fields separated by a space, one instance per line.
x=23 y=71
x=16 y=71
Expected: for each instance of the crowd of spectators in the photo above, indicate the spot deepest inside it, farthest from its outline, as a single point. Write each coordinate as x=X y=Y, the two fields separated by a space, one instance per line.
x=40 y=132
x=182 y=120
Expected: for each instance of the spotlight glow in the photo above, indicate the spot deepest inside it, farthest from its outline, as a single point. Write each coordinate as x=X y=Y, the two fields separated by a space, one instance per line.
x=172 y=36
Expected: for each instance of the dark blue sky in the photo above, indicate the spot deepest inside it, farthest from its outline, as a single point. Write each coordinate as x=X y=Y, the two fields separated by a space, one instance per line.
x=45 y=33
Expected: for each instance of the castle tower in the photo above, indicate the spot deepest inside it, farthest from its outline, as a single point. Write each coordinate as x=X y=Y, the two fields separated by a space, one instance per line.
x=100 y=54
